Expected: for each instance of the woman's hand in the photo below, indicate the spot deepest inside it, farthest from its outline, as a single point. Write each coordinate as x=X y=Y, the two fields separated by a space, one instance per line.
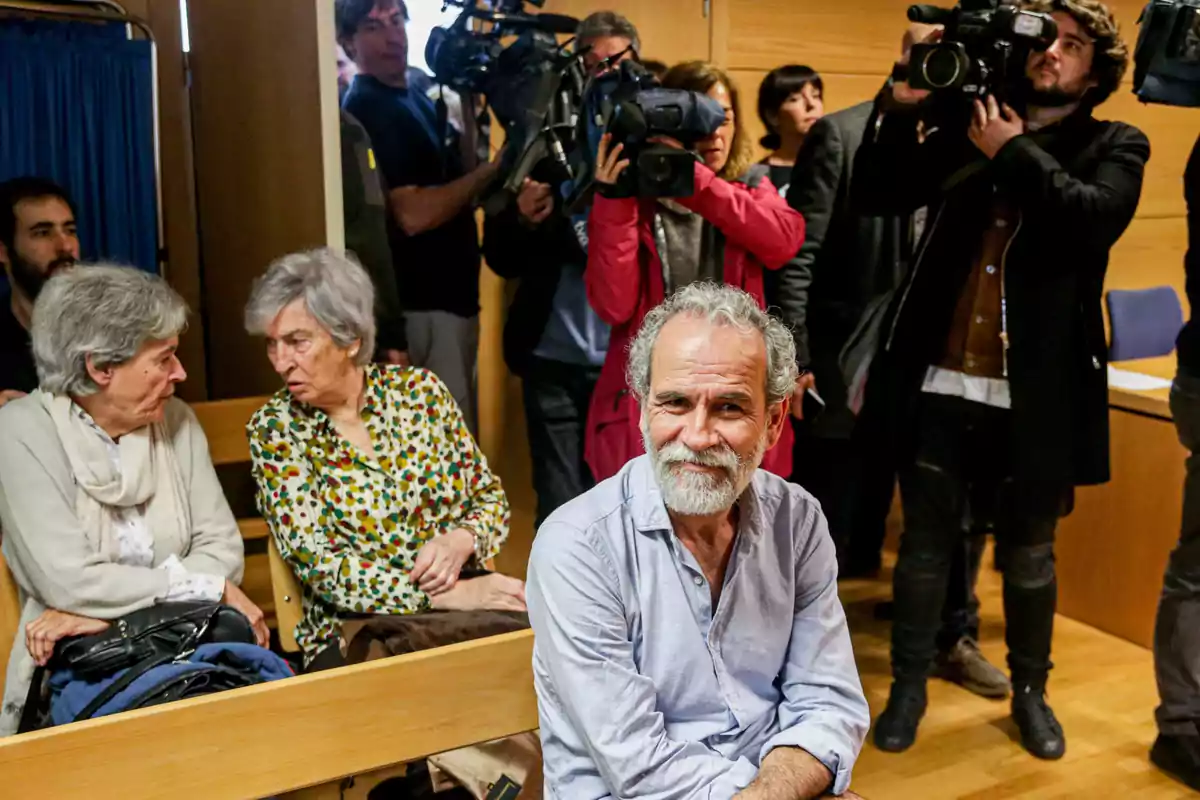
x=609 y=164
x=47 y=630
x=493 y=592
x=441 y=559
x=236 y=598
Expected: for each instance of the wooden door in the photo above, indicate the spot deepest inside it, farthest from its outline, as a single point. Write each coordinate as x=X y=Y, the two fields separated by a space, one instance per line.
x=671 y=30
x=264 y=110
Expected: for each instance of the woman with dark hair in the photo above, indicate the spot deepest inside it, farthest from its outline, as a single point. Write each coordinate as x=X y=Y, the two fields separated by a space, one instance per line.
x=733 y=228
x=790 y=100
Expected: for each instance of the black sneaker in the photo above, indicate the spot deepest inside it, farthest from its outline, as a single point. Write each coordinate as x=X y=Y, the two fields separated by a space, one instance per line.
x=896 y=728
x=1179 y=757
x=1041 y=734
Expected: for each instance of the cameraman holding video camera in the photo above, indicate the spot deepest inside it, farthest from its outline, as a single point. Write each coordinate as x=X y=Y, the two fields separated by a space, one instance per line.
x=994 y=360
x=731 y=228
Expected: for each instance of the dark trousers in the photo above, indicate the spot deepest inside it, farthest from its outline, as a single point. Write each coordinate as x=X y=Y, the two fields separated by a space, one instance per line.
x=962 y=452
x=854 y=483
x=556 y=408
x=1177 y=629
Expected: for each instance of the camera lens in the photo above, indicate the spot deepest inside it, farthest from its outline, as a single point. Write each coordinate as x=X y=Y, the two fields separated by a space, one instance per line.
x=941 y=68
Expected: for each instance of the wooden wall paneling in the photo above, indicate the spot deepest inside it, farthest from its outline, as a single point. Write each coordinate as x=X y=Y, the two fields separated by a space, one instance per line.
x=841 y=91
x=1150 y=254
x=1112 y=550
x=1172 y=132
x=671 y=30
x=853 y=36
x=260 y=168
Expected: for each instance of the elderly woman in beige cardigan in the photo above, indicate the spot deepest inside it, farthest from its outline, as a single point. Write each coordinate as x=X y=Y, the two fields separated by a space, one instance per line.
x=109 y=501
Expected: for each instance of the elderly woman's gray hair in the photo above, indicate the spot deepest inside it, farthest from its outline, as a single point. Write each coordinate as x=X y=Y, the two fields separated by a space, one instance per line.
x=608 y=23
x=720 y=304
x=102 y=311
x=335 y=289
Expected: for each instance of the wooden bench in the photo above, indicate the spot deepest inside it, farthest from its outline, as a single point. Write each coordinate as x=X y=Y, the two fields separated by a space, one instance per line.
x=269 y=582
x=288 y=735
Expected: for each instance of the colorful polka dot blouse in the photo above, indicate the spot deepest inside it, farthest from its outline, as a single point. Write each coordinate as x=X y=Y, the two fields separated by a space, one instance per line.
x=350 y=523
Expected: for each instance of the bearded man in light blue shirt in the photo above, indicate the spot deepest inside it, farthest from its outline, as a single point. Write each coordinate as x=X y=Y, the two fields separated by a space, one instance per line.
x=689 y=640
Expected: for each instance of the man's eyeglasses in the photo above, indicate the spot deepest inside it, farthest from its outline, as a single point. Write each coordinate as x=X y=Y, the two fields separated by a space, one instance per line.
x=606 y=64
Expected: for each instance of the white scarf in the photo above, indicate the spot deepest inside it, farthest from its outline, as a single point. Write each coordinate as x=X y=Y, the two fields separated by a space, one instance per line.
x=149 y=476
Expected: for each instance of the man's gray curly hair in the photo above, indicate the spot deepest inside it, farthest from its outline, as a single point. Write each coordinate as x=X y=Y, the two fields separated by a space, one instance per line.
x=719 y=304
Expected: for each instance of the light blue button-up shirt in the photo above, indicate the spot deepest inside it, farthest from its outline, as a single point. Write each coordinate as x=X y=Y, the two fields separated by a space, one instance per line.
x=646 y=691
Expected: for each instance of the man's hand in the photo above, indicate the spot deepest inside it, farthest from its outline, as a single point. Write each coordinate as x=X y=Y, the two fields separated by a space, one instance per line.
x=441 y=559
x=396 y=358
x=48 y=629
x=788 y=773
x=535 y=202
x=993 y=126
x=917 y=33
x=803 y=384
x=236 y=598
x=8 y=395
x=609 y=164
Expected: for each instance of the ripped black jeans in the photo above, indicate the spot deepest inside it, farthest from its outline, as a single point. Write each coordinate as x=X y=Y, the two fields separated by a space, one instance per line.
x=962 y=452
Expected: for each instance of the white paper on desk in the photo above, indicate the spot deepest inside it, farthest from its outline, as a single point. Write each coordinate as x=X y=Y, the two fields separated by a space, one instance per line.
x=1134 y=381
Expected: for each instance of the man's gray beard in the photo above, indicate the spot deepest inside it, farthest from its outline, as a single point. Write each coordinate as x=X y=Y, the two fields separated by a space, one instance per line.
x=697 y=494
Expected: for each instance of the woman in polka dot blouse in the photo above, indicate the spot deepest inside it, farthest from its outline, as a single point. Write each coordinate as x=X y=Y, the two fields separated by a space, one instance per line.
x=374 y=490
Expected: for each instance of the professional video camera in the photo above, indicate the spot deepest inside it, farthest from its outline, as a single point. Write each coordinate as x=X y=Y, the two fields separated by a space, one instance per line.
x=983 y=50
x=636 y=109
x=541 y=93
x=532 y=84
x=1167 y=58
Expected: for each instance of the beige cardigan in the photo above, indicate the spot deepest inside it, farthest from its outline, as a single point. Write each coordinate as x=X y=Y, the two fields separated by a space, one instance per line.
x=52 y=561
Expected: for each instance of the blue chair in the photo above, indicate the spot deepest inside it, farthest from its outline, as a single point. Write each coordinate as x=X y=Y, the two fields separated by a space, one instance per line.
x=1144 y=322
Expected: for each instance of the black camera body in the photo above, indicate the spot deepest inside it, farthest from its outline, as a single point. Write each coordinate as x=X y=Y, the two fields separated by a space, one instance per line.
x=983 y=50
x=640 y=110
x=1167 y=58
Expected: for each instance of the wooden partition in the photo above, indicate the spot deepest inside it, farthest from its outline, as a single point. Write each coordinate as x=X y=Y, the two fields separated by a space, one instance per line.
x=266 y=740
x=261 y=111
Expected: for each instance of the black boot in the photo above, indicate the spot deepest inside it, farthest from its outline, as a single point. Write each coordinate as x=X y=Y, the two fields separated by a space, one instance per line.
x=1041 y=734
x=1179 y=757
x=896 y=728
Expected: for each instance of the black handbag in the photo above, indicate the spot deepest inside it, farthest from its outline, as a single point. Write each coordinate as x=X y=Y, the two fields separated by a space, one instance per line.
x=138 y=642
x=165 y=630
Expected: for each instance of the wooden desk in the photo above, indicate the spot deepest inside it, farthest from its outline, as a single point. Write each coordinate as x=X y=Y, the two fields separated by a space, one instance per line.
x=1113 y=549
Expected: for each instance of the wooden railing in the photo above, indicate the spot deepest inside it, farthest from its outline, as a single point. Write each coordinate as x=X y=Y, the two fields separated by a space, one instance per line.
x=301 y=732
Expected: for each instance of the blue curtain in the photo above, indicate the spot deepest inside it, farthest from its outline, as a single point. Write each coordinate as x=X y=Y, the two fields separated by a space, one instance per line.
x=76 y=106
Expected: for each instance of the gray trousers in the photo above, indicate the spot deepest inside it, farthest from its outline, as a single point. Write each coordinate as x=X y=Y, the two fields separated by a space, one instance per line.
x=448 y=346
x=1177 y=629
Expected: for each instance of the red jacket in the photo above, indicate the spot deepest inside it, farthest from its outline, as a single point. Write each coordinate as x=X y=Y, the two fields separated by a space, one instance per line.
x=624 y=282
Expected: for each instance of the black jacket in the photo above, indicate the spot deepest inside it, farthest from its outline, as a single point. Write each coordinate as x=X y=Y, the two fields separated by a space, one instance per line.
x=1076 y=185
x=838 y=287
x=1189 y=338
x=365 y=210
x=536 y=256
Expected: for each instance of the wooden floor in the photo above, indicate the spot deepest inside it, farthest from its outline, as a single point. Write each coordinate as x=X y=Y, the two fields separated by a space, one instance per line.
x=1102 y=689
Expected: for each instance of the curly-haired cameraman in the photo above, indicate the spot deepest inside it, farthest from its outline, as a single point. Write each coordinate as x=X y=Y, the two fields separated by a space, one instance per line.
x=995 y=356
